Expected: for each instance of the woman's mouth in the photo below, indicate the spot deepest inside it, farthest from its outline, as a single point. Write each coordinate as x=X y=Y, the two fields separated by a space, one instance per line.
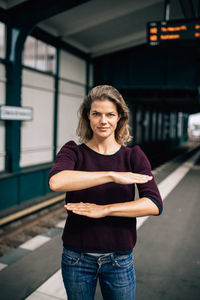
x=103 y=128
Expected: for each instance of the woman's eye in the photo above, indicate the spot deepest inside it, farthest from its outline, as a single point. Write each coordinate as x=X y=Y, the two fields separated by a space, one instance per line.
x=95 y=114
x=111 y=115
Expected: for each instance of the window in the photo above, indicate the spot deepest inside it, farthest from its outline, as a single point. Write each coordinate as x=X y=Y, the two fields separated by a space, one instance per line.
x=30 y=52
x=39 y=55
x=51 y=59
x=2 y=40
x=41 y=58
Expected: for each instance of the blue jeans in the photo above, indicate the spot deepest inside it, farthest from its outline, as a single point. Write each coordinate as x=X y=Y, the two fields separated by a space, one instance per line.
x=115 y=272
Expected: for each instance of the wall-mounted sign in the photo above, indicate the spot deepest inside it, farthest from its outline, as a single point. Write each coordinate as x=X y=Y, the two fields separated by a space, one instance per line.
x=173 y=30
x=16 y=113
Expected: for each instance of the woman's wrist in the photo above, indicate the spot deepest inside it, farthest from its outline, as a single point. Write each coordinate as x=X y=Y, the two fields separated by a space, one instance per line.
x=110 y=175
x=110 y=209
x=137 y=208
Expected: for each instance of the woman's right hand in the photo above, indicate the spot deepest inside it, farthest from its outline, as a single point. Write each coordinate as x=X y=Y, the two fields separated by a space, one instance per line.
x=130 y=178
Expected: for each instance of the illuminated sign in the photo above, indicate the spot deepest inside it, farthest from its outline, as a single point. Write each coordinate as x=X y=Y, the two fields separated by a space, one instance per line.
x=16 y=113
x=175 y=30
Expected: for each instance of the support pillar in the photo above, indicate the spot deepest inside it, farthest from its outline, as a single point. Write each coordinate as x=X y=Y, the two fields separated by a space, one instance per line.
x=56 y=103
x=15 y=43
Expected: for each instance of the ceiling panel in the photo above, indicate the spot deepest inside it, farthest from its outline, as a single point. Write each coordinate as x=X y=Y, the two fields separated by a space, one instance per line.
x=118 y=29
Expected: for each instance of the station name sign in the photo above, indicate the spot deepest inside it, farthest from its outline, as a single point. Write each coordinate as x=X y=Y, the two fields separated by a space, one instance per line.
x=173 y=30
x=16 y=113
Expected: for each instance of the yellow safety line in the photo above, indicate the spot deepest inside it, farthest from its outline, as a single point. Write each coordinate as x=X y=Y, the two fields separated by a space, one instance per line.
x=31 y=209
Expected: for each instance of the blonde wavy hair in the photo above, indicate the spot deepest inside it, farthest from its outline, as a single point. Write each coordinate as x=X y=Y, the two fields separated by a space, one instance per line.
x=104 y=92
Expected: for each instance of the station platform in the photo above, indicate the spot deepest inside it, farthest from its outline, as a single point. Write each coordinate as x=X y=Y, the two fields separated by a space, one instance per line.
x=167 y=256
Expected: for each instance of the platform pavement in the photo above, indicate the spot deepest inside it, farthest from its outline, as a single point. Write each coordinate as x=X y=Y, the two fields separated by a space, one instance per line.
x=170 y=270
x=167 y=253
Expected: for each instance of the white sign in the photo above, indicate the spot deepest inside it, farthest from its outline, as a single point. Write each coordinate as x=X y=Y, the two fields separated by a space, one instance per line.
x=16 y=113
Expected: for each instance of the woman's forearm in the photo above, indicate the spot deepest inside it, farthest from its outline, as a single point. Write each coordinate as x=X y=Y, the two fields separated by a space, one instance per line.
x=138 y=208
x=68 y=180
x=77 y=180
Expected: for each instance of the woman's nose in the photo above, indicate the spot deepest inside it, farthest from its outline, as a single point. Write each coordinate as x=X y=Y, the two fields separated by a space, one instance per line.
x=103 y=119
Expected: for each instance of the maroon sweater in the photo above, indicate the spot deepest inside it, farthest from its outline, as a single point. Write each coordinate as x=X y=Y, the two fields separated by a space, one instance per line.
x=109 y=233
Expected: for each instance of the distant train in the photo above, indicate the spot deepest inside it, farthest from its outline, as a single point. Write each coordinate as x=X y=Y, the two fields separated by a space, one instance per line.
x=194 y=132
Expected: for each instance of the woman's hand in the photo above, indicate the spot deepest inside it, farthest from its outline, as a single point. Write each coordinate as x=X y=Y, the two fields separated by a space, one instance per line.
x=137 y=208
x=87 y=209
x=130 y=178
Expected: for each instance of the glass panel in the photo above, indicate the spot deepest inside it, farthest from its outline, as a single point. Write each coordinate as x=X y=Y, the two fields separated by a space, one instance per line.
x=41 y=62
x=39 y=55
x=30 y=52
x=51 y=59
x=180 y=124
x=160 y=120
x=2 y=40
x=153 y=135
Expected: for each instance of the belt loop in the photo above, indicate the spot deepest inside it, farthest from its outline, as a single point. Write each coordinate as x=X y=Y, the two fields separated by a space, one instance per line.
x=82 y=256
x=113 y=259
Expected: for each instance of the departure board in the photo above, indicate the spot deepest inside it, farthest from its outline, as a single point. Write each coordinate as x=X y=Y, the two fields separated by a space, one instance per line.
x=174 y=30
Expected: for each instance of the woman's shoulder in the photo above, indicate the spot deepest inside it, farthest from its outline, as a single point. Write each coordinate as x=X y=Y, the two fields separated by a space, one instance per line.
x=135 y=152
x=135 y=148
x=138 y=156
x=70 y=146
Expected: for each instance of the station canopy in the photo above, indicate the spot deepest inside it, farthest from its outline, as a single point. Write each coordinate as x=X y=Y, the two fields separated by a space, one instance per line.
x=98 y=27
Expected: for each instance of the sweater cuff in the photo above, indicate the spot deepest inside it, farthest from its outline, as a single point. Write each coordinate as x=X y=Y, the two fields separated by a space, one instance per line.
x=157 y=203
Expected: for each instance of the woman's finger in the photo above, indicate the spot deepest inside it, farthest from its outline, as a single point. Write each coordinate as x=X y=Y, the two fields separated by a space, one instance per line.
x=142 y=178
x=74 y=205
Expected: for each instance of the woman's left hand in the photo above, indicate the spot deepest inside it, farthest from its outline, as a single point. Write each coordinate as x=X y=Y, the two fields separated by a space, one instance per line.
x=87 y=209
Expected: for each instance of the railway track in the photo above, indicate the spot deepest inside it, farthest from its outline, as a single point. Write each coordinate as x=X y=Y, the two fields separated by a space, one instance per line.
x=19 y=231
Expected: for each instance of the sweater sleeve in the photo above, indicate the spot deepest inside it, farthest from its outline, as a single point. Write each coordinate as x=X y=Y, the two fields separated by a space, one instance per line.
x=142 y=165
x=65 y=159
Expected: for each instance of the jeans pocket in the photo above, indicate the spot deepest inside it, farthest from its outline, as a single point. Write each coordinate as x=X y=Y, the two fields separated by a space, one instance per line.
x=124 y=261
x=69 y=257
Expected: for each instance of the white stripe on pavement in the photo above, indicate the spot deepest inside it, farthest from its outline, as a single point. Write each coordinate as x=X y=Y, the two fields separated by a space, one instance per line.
x=35 y=242
x=2 y=266
x=61 y=224
x=171 y=181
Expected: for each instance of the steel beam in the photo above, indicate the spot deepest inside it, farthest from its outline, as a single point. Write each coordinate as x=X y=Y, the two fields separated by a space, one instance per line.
x=167 y=10
x=35 y=11
x=182 y=8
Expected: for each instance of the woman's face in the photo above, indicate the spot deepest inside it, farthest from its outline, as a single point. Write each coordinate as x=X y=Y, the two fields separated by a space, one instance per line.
x=103 y=118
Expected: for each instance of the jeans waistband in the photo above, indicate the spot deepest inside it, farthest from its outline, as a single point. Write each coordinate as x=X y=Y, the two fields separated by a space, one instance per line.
x=99 y=253
x=104 y=257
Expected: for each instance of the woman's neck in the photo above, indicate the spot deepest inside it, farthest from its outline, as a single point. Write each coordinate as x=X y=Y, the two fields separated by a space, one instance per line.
x=105 y=146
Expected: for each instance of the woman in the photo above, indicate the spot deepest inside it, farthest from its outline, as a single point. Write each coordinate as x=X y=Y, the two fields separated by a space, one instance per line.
x=99 y=176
